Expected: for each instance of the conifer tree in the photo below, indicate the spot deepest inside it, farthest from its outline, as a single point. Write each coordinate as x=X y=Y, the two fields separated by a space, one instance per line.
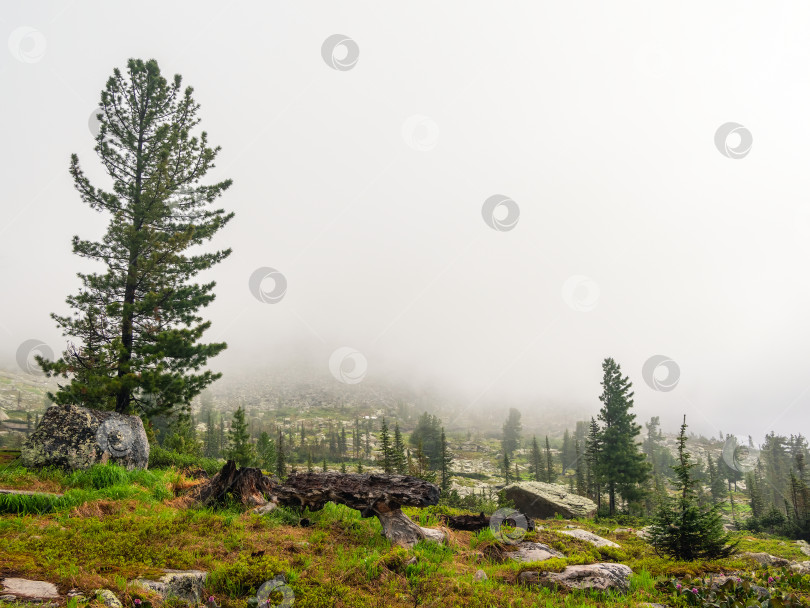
x=537 y=461
x=266 y=452
x=566 y=456
x=621 y=464
x=281 y=457
x=593 y=450
x=446 y=461
x=182 y=437
x=240 y=450
x=511 y=432
x=682 y=528
x=385 y=449
x=717 y=486
x=136 y=323
x=582 y=490
x=400 y=464
x=506 y=465
x=550 y=477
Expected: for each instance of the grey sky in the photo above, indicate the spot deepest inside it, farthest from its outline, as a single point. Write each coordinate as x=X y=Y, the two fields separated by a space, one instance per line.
x=365 y=188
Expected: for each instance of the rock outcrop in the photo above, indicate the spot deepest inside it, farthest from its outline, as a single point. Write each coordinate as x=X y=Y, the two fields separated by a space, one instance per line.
x=547 y=500
x=71 y=437
x=589 y=537
x=766 y=559
x=598 y=577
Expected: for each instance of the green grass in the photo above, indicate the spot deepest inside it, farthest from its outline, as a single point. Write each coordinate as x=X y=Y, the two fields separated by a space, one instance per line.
x=113 y=525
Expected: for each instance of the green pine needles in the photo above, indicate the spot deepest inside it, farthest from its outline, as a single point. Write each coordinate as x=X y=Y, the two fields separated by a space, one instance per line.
x=682 y=528
x=135 y=330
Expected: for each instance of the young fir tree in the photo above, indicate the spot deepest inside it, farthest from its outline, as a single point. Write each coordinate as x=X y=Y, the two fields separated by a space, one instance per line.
x=385 y=449
x=593 y=452
x=310 y=468
x=566 y=456
x=511 y=432
x=506 y=465
x=537 y=461
x=621 y=464
x=281 y=457
x=550 y=477
x=240 y=449
x=266 y=452
x=136 y=323
x=579 y=470
x=444 y=465
x=211 y=450
x=182 y=437
x=324 y=466
x=717 y=486
x=400 y=464
x=682 y=528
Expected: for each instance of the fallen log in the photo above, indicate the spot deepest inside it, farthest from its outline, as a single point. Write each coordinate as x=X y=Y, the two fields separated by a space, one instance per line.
x=473 y=523
x=372 y=494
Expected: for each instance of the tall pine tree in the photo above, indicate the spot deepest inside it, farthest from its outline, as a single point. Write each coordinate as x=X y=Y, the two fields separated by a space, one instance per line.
x=620 y=464
x=136 y=323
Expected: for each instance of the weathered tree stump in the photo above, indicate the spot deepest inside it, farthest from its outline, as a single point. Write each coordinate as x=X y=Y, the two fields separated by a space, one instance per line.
x=247 y=486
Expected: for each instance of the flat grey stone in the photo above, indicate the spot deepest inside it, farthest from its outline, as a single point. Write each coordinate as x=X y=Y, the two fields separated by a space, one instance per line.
x=533 y=552
x=589 y=537
x=22 y=587
x=479 y=576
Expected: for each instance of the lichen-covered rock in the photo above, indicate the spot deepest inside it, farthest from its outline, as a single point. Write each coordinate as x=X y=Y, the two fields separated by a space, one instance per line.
x=108 y=598
x=804 y=547
x=185 y=585
x=72 y=437
x=801 y=567
x=547 y=500
x=765 y=559
x=589 y=537
x=599 y=577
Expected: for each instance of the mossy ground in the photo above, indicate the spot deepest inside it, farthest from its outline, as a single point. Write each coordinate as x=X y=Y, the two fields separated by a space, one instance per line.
x=118 y=526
